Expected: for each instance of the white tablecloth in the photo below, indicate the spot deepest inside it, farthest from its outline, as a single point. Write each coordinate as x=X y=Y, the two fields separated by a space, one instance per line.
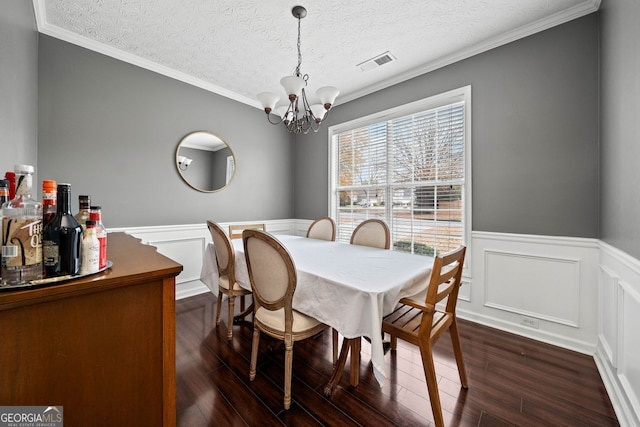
x=348 y=287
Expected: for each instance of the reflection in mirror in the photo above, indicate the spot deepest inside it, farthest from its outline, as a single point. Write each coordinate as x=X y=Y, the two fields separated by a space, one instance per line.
x=205 y=161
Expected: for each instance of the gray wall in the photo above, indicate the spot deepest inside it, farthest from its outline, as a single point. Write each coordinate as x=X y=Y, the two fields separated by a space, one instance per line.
x=18 y=85
x=534 y=133
x=111 y=129
x=535 y=127
x=208 y=170
x=219 y=167
x=620 y=125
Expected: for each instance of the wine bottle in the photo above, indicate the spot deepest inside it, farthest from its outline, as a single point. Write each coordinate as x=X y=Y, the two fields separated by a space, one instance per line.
x=62 y=238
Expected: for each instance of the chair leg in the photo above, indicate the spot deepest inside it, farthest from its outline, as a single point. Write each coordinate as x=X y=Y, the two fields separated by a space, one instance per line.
x=288 y=369
x=432 y=383
x=394 y=342
x=218 y=308
x=254 y=353
x=232 y=301
x=334 y=344
x=457 y=351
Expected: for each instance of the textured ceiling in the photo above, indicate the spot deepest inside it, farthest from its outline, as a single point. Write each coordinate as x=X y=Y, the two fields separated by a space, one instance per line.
x=238 y=48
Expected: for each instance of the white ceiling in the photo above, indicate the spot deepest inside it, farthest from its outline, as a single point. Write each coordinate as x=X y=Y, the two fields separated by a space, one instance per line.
x=238 y=48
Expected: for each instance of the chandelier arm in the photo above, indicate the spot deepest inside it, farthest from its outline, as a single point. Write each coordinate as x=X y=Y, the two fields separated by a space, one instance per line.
x=276 y=122
x=305 y=104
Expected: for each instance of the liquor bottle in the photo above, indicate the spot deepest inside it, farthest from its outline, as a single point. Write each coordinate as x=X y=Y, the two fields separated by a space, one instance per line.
x=49 y=197
x=84 y=204
x=90 y=254
x=4 y=198
x=22 y=232
x=4 y=191
x=62 y=238
x=101 y=232
x=11 y=177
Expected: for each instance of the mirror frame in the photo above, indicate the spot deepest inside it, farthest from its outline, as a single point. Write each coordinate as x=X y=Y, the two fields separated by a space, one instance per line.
x=182 y=140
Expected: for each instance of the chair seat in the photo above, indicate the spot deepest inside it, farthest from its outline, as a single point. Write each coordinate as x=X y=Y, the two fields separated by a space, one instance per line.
x=275 y=320
x=223 y=281
x=404 y=322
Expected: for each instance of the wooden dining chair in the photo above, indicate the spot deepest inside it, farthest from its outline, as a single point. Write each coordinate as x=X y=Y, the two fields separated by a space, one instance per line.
x=372 y=232
x=273 y=281
x=422 y=324
x=322 y=228
x=225 y=260
x=235 y=230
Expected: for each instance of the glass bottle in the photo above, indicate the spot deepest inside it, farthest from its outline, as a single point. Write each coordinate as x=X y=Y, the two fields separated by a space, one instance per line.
x=22 y=232
x=11 y=177
x=4 y=192
x=90 y=253
x=4 y=198
x=49 y=197
x=101 y=232
x=84 y=204
x=62 y=238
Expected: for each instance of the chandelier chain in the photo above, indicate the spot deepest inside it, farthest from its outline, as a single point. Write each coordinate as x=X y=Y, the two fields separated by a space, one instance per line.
x=299 y=51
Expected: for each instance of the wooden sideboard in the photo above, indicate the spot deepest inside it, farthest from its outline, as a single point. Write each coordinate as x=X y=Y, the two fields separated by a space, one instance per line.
x=101 y=346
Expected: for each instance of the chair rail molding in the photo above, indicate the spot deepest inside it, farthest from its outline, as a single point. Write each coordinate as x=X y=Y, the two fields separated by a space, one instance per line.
x=186 y=244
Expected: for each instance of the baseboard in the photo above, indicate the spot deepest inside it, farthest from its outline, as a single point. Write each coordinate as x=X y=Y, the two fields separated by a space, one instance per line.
x=191 y=289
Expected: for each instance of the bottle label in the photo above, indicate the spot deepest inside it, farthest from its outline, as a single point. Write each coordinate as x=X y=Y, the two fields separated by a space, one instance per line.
x=50 y=253
x=90 y=255
x=48 y=197
x=103 y=251
x=24 y=184
x=21 y=242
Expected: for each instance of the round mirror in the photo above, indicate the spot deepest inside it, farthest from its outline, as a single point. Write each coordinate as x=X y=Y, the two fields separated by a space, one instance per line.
x=205 y=161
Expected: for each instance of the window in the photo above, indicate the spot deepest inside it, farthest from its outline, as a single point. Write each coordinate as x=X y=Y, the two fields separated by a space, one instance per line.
x=409 y=166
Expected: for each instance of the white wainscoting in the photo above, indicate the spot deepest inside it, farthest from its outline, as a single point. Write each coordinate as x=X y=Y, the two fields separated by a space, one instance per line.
x=186 y=244
x=542 y=287
x=618 y=350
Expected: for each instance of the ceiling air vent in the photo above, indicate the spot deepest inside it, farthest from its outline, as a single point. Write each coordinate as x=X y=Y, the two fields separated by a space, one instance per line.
x=377 y=61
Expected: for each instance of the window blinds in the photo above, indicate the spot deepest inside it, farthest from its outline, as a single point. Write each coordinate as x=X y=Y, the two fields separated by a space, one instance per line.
x=409 y=172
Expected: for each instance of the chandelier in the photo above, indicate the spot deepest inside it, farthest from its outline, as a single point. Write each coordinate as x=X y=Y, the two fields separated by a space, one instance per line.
x=298 y=116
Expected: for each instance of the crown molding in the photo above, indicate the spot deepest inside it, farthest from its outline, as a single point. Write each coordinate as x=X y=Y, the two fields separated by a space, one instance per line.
x=45 y=28
x=519 y=33
x=575 y=12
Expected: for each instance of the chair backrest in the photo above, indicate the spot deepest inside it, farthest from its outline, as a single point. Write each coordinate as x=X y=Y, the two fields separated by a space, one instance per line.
x=271 y=271
x=446 y=277
x=225 y=255
x=322 y=228
x=235 y=230
x=372 y=232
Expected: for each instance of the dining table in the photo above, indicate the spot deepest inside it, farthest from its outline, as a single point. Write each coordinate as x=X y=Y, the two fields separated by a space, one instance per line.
x=348 y=287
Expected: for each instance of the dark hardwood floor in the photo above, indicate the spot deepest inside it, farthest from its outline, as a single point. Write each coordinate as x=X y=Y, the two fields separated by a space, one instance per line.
x=513 y=381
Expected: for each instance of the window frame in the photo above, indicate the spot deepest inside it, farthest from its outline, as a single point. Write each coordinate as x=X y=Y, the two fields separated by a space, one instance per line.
x=462 y=94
